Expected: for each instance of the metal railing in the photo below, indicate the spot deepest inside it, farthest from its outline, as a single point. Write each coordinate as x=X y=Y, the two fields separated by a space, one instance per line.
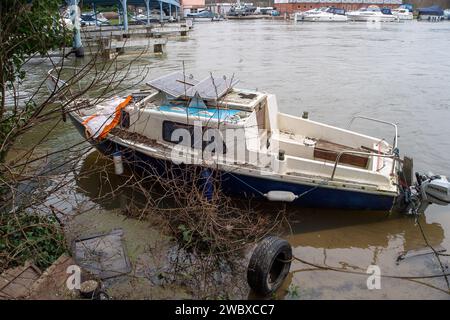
x=338 y=158
x=379 y=121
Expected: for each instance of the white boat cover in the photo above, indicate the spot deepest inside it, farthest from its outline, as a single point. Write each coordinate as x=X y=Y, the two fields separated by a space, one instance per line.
x=106 y=117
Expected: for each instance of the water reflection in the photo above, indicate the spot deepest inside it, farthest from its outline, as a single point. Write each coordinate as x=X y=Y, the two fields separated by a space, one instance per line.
x=333 y=229
x=352 y=240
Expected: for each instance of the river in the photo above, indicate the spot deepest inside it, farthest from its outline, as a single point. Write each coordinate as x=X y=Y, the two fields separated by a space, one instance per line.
x=398 y=72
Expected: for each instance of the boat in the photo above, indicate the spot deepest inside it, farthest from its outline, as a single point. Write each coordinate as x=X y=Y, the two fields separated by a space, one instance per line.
x=402 y=14
x=372 y=14
x=324 y=14
x=299 y=15
x=154 y=17
x=204 y=15
x=264 y=10
x=447 y=14
x=93 y=19
x=257 y=151
x=240 y=10
x=433 y=13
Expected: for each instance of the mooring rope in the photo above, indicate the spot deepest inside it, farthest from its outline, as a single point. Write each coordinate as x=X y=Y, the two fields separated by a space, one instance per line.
x=343 y=270
x=323 y=182
x=435 y=253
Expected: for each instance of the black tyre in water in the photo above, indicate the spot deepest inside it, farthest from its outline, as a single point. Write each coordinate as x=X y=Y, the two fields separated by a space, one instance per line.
x=269 y=265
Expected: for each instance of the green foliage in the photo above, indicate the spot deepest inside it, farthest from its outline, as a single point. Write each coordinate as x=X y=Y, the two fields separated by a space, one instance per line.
x=186 y=234
x=293 y=291
x=26 y=237
x=28 y=28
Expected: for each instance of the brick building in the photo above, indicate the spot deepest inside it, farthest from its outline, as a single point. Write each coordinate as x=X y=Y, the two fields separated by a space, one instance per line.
x=291 y=6
x=191 y=6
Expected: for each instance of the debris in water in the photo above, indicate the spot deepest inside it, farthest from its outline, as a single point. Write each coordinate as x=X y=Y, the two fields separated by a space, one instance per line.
x=103 y=255
x=419 y=252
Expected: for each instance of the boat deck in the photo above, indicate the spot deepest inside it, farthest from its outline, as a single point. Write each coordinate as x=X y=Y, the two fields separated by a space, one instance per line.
x=327 y=150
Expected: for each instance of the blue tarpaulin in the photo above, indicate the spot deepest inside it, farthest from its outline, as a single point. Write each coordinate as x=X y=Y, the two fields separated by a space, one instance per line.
x=433 y=10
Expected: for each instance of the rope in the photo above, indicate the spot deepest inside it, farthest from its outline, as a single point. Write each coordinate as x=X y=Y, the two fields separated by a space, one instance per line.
x=409 y=278
x=435 y=253
x=324 y=182
x=246 y=184
x=365 y=274
x=342 y=270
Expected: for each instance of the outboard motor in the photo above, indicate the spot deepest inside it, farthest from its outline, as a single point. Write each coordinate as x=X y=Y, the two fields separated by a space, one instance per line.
x=427 y=190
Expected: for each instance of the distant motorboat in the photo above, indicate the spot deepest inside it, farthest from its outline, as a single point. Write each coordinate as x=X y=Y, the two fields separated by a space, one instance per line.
x=298 y=16
x=205 y=15
x=324 y=14
x=241 y=10
x=433 y=13
x=154 y=16
x=93 y=19
x=372 y=14
x=402 y=14
x=447 y=14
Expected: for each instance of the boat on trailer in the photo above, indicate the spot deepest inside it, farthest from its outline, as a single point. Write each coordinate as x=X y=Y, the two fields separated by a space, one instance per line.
x=257 y=151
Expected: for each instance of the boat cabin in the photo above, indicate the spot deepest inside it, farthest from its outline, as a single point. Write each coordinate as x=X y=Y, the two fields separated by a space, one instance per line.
x=254 y=133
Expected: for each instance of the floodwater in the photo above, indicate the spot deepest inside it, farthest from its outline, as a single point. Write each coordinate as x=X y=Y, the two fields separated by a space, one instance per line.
x=398 y=72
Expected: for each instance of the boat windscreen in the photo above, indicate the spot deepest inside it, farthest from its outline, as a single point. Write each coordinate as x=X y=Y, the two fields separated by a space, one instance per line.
x=212 y=88
x=177 y=84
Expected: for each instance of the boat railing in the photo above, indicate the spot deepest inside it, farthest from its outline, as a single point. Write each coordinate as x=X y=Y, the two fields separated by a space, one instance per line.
x=369 y=154
x=379 y=121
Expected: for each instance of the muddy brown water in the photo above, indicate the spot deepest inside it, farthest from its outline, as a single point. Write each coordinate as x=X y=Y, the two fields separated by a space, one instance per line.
x=398 y=72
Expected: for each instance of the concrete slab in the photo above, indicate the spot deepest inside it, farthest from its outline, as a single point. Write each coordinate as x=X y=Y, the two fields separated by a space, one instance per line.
x=15 y=283
x=103 y=255
x=51 y=285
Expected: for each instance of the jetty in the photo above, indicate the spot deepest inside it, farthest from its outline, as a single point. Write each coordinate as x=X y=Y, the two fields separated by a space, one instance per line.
x=112 y=40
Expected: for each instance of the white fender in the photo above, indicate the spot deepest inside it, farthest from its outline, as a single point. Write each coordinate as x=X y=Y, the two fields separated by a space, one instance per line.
x=118 y=164
x=283 y=196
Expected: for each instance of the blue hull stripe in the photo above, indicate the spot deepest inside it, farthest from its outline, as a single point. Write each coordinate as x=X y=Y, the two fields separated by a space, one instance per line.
x=254 y=187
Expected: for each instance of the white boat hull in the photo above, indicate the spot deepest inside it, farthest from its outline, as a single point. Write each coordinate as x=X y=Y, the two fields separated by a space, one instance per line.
x=404 y=17
x=326 y=18
x=372 y=18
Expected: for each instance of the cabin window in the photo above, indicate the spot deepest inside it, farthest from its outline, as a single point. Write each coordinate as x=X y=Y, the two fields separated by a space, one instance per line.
x=208 y=136
x=124 y=119
x=169 y=128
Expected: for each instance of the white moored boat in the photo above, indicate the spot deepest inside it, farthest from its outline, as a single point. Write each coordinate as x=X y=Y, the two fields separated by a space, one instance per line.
x=324 y=14
x=257 y=151
x=402 y=14
x=372 y=14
